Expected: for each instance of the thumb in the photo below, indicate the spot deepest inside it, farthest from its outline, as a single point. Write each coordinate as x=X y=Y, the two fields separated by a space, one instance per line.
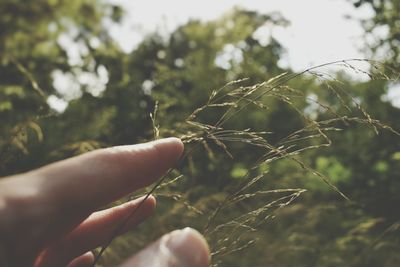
x=180 y=248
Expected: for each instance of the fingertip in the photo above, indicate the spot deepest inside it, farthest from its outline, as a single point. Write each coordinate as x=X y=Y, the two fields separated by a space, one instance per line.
x=84 y=260
x=152 y=201
x=171 y=147
x=146 y=206
x=183 y=243
x=185 y=247
x=149 y=205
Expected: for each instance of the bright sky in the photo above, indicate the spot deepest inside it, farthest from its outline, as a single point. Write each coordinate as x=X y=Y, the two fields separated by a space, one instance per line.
x=319 y=31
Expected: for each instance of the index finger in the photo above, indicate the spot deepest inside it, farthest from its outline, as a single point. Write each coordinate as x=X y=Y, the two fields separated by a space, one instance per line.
x=89 y=181
x=100 y=177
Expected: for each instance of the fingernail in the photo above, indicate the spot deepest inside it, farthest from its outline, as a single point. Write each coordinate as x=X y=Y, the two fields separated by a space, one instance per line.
x=189 y=247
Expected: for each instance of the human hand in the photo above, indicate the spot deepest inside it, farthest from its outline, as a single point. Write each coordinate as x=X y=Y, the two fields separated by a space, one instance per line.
x=49 y=217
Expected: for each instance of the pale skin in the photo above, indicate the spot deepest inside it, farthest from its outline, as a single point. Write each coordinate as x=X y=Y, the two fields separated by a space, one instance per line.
x=52 y=216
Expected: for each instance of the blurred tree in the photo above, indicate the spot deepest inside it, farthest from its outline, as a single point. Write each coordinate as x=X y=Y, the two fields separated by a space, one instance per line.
x=383 y=29
x=40 y=40
x=60 y=50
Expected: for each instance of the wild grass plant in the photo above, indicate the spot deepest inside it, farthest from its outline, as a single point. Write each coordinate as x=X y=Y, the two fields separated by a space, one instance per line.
x=297 y=170
x=233 y=208
x=231 y=216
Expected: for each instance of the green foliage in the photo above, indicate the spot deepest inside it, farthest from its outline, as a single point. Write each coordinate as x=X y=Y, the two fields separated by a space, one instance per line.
x=252 y=146
x=383 y=29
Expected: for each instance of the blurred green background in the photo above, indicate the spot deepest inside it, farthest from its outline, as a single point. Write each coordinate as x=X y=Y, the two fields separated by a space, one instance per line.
x=109 y=94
